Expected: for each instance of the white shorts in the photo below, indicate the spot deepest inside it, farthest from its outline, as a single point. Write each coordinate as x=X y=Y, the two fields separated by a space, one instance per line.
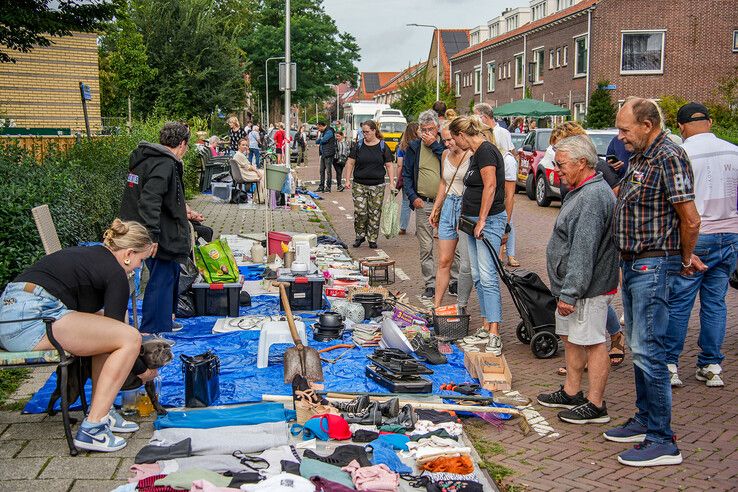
x=587 y=325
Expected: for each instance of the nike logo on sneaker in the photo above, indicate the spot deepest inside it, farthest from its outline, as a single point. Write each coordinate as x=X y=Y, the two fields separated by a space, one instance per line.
x=101 y=440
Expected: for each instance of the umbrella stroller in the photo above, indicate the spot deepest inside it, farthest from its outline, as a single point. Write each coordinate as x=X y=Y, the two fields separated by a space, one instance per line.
x=536 y=306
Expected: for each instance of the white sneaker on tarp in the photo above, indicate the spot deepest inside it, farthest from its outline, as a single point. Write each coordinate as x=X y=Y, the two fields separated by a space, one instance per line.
x=710 y=374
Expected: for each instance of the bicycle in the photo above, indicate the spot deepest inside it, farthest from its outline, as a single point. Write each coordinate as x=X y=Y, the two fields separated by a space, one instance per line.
x=269 y=156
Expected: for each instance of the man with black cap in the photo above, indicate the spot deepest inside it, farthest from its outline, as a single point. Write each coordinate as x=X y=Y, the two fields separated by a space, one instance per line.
x=715 y=167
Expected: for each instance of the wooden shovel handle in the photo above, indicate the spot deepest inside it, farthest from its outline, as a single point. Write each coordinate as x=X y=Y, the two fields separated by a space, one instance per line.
x=288 y=312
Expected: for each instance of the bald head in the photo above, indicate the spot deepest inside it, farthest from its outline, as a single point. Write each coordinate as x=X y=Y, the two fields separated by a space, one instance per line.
x=639 y=122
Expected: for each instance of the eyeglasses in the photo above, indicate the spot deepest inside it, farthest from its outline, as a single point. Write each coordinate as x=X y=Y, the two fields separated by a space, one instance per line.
x=428 y=130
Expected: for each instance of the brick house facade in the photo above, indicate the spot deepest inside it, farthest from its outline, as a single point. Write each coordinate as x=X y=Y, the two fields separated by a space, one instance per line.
x=634 y=44
x=41 y=90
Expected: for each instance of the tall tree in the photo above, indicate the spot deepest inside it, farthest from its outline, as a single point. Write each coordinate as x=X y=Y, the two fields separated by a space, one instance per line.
x=191 y=45
x=124 y=67
x=25 y=24
x=601 y=111
x=323 y=54
x=419 y=94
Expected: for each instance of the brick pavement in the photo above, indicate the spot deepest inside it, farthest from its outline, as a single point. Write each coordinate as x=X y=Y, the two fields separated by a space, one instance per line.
x=704 y=419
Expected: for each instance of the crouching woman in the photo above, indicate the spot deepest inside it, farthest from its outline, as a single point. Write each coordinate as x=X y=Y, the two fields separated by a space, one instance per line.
x=85 y=289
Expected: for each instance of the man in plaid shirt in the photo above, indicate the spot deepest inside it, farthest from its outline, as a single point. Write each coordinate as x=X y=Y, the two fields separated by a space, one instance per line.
x=655 y=226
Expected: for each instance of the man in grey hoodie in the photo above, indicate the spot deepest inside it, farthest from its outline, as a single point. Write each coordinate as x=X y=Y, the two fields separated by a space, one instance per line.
x=583 y=269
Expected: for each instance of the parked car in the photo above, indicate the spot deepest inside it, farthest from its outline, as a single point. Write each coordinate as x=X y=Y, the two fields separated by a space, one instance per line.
x=531 y=174
x=313 y=133
x=601 y=140
x=517 y=140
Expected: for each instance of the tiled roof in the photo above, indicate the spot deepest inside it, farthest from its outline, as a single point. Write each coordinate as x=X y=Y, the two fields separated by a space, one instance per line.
x=527 y=27
x=401 y=77
x=372 y=81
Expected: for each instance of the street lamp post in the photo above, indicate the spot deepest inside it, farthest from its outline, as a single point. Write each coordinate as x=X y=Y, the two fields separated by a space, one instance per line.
x=287 y=77
x=437 y=32
x=266 y=85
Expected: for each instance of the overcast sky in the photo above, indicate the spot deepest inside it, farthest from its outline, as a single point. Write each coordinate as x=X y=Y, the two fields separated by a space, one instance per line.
x=387 y=44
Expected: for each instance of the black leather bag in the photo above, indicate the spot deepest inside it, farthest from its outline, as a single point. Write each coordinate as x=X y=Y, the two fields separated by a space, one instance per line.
x=467 y=225
x=202 y=379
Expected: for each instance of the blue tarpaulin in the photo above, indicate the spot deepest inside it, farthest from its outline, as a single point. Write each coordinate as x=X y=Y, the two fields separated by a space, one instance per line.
x=242 y=382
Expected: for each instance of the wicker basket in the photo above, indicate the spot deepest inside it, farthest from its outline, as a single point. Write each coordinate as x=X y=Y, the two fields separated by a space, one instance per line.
x=356 y=289
x=453 y=327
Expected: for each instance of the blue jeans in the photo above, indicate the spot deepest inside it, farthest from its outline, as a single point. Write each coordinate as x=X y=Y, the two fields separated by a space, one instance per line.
x=255 y=154
x=405 y=212
x=647 y=283
x=484 y=274
x=510 y=245
x=160 y=297
x=18 y=304
x=613 y=323
x=718 y=252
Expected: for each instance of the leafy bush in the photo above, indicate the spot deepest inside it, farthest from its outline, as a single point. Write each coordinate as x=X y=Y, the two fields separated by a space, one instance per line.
x=83 y=188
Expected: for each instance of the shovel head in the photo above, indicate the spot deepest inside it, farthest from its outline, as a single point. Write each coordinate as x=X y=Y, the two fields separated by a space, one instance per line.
x=304 y=361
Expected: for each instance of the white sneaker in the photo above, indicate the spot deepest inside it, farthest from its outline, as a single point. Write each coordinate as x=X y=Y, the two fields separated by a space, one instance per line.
x=675 y=381
x=710 y=374
x=494 y=345
x=481 y=336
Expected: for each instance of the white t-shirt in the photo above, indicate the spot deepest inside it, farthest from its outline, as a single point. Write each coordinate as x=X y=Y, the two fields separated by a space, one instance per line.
x=715 y=167
x=457 y=188
x=511 y=167
x=503 y=139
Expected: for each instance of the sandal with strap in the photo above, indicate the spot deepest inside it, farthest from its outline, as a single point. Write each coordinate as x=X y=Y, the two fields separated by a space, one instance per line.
x=617 y=349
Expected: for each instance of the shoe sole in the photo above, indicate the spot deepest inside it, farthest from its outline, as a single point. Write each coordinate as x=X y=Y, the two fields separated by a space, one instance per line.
x=94 y=447
x=707 y=382
x=661 y=460
x=124 y=430
x=634 y=438
x=555 y=405
x=598 y=420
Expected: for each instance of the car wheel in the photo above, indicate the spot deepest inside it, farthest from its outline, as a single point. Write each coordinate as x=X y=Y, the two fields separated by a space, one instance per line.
x=530 y=191
x=542 y=198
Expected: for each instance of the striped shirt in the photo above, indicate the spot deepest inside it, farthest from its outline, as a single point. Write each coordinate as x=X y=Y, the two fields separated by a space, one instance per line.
x=645 y=218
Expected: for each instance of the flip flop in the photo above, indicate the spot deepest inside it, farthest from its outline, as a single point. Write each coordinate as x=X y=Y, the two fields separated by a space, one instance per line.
x=617 y=349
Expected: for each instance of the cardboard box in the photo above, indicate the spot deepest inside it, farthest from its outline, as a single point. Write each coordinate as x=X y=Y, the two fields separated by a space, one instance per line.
x=491 y=370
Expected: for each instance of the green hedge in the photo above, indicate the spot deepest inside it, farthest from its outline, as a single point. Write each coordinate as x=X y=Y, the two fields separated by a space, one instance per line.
x=83 y=188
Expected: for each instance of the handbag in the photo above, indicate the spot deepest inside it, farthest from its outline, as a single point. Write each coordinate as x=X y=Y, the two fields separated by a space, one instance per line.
x=467 y=225
x=202 y=379
x=436 y=215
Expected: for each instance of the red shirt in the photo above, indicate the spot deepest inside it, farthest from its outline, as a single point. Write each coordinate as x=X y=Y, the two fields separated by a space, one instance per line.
x=279 y=138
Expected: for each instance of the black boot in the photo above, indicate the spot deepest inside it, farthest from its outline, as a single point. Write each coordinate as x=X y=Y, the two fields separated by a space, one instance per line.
x=369 y=416
x=358 y=242
x=390 y=408
x=406 y=418
x=356 y=405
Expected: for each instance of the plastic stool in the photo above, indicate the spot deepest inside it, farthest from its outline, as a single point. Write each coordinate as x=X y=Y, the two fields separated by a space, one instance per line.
x=276 y=332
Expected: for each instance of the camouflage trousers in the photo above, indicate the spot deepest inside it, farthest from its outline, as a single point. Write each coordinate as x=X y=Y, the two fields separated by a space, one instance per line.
x=367 y=210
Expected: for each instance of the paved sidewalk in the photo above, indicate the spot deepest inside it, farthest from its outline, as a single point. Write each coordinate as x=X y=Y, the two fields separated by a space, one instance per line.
x=570 y=457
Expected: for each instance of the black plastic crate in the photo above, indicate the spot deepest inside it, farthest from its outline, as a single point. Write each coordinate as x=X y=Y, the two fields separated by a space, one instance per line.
x=217 y=299
x=305 y=293
x=451 y=327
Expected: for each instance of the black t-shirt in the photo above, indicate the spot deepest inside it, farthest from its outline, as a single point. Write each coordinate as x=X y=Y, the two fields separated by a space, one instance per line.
x=85 y=279
x=609 y=174
x=486 y=155
x=369 y=168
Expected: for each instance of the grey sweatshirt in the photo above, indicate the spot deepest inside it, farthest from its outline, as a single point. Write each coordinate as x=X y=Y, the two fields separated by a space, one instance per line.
x=581 y=257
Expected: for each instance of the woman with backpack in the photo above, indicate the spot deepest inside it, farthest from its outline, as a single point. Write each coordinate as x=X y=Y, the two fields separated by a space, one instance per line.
x=369 y=162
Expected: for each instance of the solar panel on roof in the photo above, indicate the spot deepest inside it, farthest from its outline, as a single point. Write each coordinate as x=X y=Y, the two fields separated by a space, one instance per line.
x=371 y=82
x=454 y=41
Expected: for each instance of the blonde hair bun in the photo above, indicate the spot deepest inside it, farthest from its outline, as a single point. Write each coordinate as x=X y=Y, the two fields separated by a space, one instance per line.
x=126 y=235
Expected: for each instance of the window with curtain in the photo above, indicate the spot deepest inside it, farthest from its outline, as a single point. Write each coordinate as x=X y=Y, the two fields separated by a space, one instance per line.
x=457 y=83
x=491 y=69
x=642 y=52
x=538 y=59
x=478 y=80
x=518 y=70
x=580 y=57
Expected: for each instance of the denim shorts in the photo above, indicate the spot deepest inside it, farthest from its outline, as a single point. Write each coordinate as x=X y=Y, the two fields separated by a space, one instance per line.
x=17 y=304
x=449 y=222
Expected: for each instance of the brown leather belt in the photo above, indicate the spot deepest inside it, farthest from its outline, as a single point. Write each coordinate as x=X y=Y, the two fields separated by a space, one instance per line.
x=654 y=253
x=29 y=287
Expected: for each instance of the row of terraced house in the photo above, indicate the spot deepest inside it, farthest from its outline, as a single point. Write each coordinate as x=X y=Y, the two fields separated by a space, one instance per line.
x=559 y=50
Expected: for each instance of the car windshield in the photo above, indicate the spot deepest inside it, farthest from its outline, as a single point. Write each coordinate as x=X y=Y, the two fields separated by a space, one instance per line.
x=392 y=127
x=518 y=139
x=542 y=138
x=601 y=141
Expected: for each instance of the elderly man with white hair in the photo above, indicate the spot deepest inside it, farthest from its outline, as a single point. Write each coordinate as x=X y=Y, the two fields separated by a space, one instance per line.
x=582 y=266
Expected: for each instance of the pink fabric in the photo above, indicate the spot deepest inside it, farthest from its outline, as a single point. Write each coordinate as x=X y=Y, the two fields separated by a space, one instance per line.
x=205 y=486
x=377 y=477
x=143 y=471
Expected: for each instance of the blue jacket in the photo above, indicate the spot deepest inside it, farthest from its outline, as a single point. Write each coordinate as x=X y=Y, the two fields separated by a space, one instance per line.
x=327 y=142
x=617 y=148
x=411 y=165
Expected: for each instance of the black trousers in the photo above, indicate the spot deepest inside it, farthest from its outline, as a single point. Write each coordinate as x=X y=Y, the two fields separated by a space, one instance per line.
x=338 y=167
x=326 y=167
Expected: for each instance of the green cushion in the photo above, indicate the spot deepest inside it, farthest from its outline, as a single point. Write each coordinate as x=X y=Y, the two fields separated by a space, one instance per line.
x=30 y=357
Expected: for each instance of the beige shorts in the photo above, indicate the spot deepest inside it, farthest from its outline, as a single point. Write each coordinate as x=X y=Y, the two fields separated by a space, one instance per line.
x=587 y=325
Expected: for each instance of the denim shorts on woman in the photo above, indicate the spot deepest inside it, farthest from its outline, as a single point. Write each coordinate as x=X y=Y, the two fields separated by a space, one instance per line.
x=17 y=303
x=449 y=222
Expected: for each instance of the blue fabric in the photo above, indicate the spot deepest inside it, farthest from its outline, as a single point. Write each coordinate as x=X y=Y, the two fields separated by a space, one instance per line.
x=718 y=252
x=449 y=221
x=316 y=428
x=613 y=323
x=411 y=165
x=483 y=269
x=646 y=286
x=160 y=298
x=617 y=148
x=405 y=210
x=207 y=418
x=242 y=382
x=397 y=441
x=252 y=272
x=383 y=454
x=17 y=304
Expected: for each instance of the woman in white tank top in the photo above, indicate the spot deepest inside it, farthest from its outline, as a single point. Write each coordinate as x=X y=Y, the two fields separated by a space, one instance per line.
x=445 y=216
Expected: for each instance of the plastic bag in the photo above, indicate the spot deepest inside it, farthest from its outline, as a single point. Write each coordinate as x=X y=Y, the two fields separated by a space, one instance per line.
x=216 y=262
x=389 y=224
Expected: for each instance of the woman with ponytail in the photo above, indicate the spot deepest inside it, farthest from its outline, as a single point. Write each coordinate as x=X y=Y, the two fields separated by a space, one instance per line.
x=85 y=289
x=483 y=202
